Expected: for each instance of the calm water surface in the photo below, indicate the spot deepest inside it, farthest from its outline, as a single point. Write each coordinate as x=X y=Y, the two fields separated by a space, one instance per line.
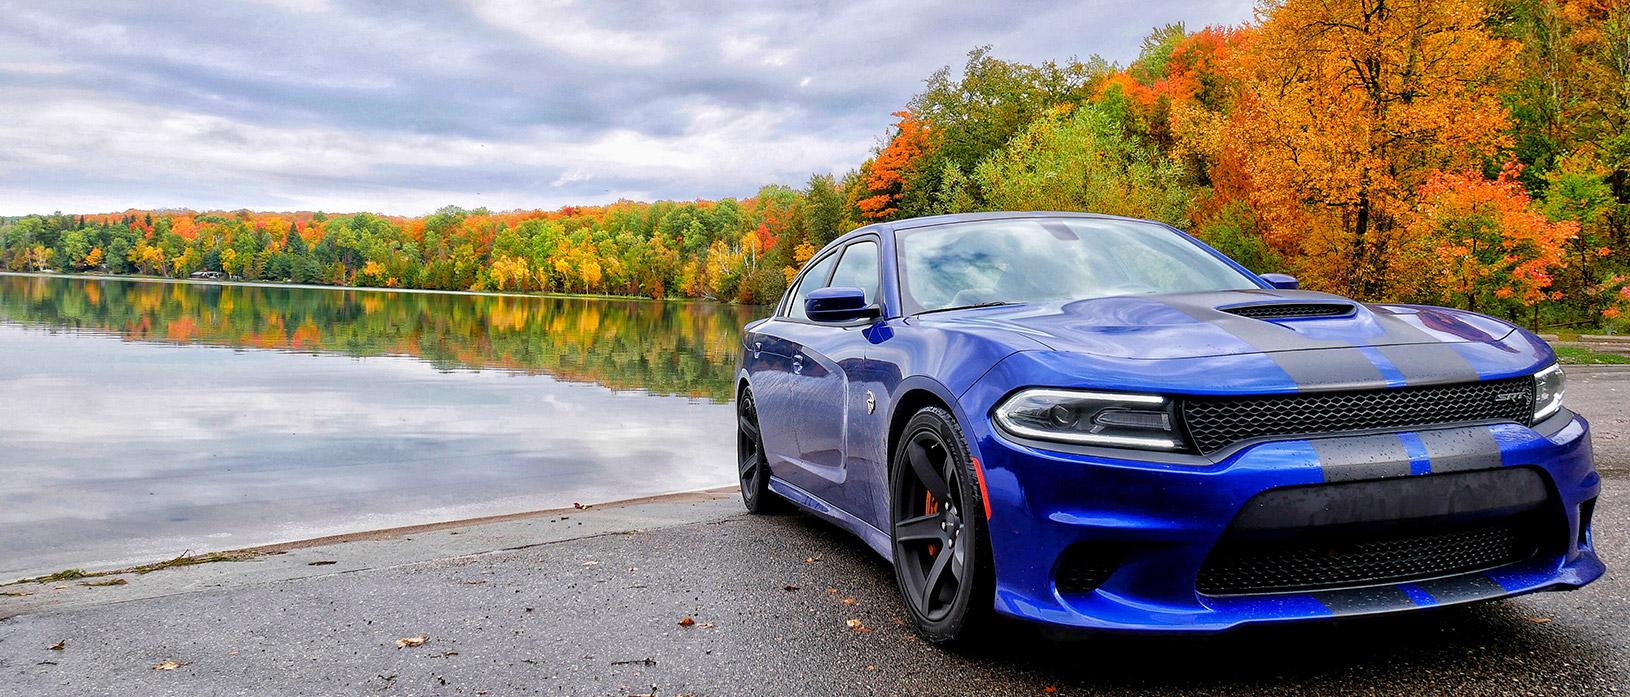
x=140 y=419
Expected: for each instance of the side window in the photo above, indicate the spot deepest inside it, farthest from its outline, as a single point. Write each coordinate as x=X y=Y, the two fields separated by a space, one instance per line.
x=813 y=281
x=858 y=269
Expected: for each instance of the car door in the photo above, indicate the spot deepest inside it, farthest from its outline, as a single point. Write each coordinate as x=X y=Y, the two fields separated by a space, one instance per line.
x=811 y=400
x=776 y=386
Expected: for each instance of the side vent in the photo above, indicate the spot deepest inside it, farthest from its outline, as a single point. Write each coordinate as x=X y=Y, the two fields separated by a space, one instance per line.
x=1290 y=310
x=1086 y=565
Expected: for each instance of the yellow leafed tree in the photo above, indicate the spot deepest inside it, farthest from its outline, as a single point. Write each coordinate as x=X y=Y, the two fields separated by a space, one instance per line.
x=1346 y=108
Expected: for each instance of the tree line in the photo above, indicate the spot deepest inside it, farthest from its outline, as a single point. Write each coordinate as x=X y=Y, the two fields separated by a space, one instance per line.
x=676 y=348
x=1473 y=153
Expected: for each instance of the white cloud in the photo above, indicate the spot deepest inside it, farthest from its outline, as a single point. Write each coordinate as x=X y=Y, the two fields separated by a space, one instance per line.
x=561 y=25
x=720 y=149
x=404 y=107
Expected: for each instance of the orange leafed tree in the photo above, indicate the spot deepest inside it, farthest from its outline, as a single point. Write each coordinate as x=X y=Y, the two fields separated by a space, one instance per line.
x=887 y=174
x=1346 y=107
x=1494 y=249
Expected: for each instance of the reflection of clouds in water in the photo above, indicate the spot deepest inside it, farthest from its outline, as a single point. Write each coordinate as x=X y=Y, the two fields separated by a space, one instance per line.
x=125 y=450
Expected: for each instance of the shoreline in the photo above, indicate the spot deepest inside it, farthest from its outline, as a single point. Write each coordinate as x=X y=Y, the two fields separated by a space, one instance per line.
x=312 y=286
x=402 y=532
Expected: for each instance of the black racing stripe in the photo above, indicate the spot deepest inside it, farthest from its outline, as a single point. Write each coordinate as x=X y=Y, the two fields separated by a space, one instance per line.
x=1330 y=368
x=1361 y=457
x=1335 y=364
x=1460 y=449
x=1422 y=358
x=1430 y=364
x=1462 y=589
x=1358 y=601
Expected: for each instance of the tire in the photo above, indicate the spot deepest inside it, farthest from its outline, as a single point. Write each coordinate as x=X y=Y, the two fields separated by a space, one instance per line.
x=752 y=468
x=940 y=540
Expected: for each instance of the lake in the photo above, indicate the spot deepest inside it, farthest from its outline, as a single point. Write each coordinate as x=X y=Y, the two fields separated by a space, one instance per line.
x=142 y=419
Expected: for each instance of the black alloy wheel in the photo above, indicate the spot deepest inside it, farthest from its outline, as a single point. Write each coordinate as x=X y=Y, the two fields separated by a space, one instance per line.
x=941 y=552
x=751 y=465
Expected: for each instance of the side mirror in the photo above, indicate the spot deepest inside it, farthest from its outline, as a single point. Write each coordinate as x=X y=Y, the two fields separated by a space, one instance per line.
x=839 y=304
x=1281 y=281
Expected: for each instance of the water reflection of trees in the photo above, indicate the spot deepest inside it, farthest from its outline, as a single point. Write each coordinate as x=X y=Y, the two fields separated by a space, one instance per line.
x=665 y=348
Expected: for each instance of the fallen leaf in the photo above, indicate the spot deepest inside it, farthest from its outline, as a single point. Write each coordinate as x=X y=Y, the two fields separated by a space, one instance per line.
x=231 y=653
x=790 y=589
x=324 y=562
x=1049 y=690
x=1540 y=620
x=853 y=623
x=411 y=641
x=687 y=622
x=581 y=507
x=811 y=560
x=591 y=563
x=847 y=601
x=831 y=590
x=60 y=645
x=171 y=665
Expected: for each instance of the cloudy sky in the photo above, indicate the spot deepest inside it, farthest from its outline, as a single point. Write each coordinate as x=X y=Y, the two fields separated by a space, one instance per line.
x=403 y=106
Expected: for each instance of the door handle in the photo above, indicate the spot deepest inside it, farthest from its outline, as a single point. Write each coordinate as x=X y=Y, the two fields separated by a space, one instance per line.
x=798 y=364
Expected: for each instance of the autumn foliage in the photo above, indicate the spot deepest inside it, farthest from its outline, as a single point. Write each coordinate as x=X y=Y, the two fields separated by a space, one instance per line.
x=1491 y=249
x=887 y=174
x=1468 y=152
x=1347 y=108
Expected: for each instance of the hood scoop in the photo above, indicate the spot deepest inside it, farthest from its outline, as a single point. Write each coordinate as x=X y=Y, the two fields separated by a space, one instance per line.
x=1283 y=310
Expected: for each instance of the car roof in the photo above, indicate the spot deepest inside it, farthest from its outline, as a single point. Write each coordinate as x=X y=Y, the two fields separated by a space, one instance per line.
x=928 y=220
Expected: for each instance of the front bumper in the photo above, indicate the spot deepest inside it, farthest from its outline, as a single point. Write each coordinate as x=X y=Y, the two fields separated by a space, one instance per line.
x=1163 y=519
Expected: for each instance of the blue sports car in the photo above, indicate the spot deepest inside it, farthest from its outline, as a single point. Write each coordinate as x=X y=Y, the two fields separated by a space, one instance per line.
x=1101 y=423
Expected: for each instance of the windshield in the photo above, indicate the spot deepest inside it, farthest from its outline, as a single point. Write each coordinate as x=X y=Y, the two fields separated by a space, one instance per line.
x=1038 y=260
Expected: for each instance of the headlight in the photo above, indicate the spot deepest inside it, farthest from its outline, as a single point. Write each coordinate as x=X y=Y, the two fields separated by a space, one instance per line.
x=1092 y=418
x=1549 y=385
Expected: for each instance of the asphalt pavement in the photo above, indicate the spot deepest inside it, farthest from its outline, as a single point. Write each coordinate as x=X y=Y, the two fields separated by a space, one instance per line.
x=595 y=603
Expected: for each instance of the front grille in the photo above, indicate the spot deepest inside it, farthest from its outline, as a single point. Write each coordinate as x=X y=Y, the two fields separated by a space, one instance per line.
x=1287 y=310
x=1321 y=563
x=1217 y=422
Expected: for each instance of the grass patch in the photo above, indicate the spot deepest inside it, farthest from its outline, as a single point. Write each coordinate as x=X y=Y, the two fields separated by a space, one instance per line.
x=114 y=582
x=1579 y=355
x=64 y=575
x=186 y=559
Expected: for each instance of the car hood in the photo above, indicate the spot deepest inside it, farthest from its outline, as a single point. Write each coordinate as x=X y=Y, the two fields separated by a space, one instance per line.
x=1227 y=323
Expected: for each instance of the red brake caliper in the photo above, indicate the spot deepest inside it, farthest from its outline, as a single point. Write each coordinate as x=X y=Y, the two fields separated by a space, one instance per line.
x=930 y=507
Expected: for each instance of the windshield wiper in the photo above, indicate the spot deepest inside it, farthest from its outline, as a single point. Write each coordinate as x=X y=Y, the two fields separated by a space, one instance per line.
x=992 y=303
